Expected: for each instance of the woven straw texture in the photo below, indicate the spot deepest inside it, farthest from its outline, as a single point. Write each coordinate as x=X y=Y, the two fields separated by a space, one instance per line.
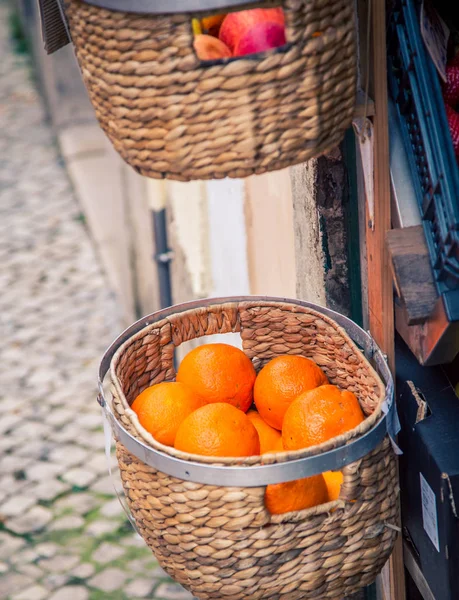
x=169 y=115
x=220 y=542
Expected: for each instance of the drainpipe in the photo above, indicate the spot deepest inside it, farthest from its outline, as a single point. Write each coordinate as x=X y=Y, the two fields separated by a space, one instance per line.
x=163 y=255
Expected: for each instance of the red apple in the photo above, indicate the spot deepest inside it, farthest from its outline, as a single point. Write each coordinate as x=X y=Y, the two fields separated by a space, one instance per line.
x=259 y=38
x=236 y=25
x=210 y=48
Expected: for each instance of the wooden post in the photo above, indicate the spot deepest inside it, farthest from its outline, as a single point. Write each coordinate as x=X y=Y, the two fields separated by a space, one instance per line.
x=380 y=289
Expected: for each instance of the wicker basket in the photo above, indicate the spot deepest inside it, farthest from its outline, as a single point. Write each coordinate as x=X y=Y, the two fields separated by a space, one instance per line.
x=219 y=541
x=169 y=115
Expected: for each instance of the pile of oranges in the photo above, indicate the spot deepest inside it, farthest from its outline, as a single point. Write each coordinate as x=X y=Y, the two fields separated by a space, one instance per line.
x=208 y=411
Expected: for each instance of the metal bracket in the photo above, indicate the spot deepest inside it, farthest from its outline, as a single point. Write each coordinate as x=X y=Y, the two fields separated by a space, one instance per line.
x=164 y=257
x=364 y=130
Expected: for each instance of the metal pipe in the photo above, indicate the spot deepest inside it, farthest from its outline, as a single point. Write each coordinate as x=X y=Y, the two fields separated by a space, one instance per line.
x=163 y=256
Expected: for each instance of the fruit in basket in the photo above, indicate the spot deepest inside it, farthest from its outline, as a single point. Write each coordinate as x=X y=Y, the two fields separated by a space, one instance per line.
x=269 y=437
x=254 y=30
x=453 y=122
x=280 y=381
x=334 y=481
x=218 y=429
x=208 y=47
x=319 y=415
x=296 y=495
x=451 y=85
x=261 y=37
x=219 y=373
x=161 y=409
x=279 y=447
x=212 y=24
x=196 y=26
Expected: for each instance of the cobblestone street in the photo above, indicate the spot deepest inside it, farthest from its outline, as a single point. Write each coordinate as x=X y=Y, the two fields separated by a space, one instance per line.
x=63 y=535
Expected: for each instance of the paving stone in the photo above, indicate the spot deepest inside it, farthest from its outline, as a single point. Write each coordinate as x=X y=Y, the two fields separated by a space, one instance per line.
x=35 y=449
x=59 y=564
x=83 y=571
x=79 y=477
x=61 y=416
x=33 y=520
x=68 y=522
x=172 y=591
x=105 y=485
x=159 y=573
x=70 y=592
x=12 y=583
x=31 y=570
x=3 y=568
x=30 y=430
x=9 y=545
x=106 y=553
x=80 y=503
x=35 y=592
x=139 y=588
x=25 y=556
x=16 y=505
x=90 y=420
x=46 y=549
x=43 y=471
x=98 y=464
x=108 y=580
x=55 y=580
x=14 y=485
x=12 y=463
x=48 y=490
x=112 y=508
x=69 y=455
x=98 y=528
x=133 y=540
x=8 y=422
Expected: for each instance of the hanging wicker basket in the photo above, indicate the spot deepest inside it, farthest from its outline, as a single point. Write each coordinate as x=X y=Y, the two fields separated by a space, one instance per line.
x=170 y=115
x=205 y=521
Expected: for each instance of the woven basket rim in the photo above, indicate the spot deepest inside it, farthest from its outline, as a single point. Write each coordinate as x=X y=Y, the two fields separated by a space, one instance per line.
x=271 y=458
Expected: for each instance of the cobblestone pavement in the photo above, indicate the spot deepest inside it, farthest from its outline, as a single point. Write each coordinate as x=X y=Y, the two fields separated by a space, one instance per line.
x=63 y=535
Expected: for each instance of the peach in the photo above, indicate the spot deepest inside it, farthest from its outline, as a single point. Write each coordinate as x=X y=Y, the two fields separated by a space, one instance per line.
x=259 y=38
x=208 y=47
x=237 y=25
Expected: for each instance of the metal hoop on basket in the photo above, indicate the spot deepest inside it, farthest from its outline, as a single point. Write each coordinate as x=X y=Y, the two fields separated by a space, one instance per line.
x=170 y=6
x=254 y=476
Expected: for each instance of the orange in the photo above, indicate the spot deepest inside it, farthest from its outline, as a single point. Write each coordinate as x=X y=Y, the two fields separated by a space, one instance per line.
x=320 y=415
x=296 y=495
x=280 y=382
x=334 y=481
x=219 y=373
x=161 y=409
x=211 y=25
x=279 y=447
x=269 y=437
x=218 y=429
